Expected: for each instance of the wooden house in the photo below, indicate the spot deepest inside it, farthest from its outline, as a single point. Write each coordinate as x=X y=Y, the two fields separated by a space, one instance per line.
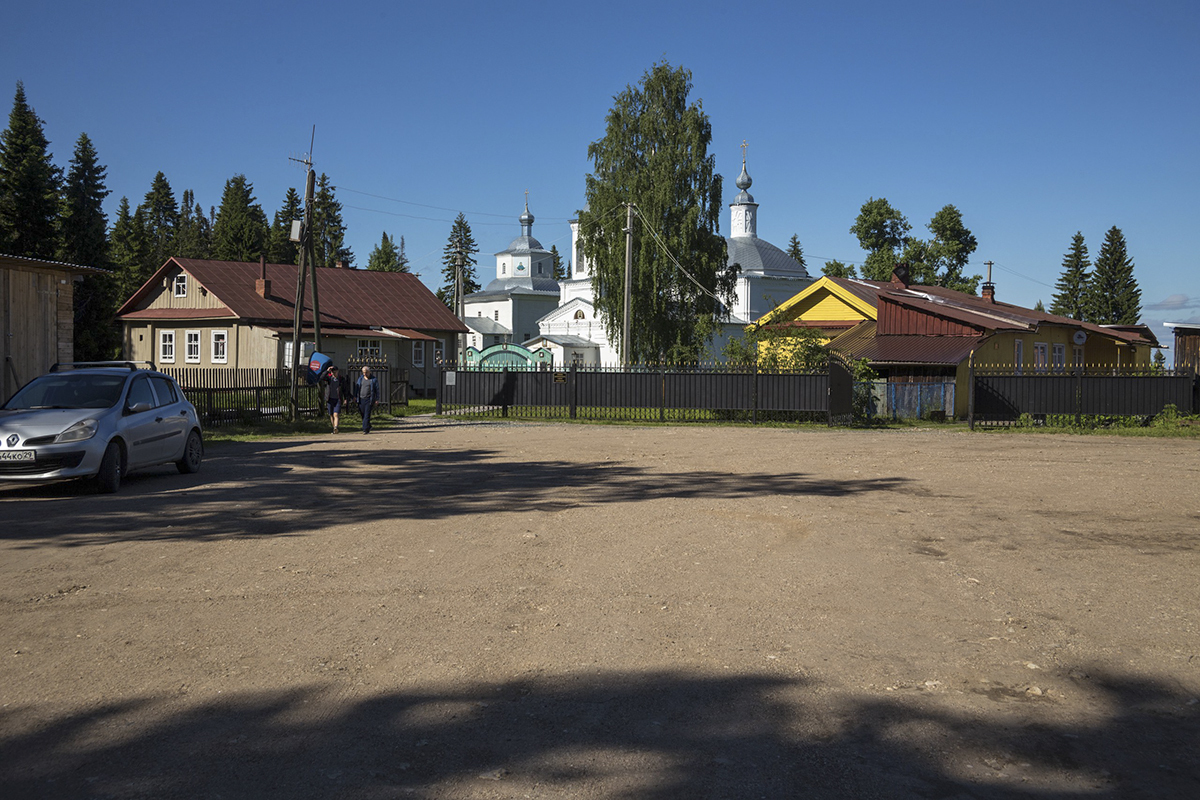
x=37 y=317
x=1187 y=345
x=226 y=314
x=911 y=333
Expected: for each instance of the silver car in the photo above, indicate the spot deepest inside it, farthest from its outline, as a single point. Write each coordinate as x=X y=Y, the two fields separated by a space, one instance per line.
x=97 y=420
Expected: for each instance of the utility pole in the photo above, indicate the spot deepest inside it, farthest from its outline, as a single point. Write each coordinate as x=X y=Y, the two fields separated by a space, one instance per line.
x=298 y=312
x=460 y=305
x=625 y=332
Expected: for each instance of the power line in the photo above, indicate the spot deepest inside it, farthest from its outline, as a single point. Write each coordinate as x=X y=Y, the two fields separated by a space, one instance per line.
x=436 y=208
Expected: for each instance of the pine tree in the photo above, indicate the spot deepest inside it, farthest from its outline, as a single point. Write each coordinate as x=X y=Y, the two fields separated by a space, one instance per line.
x=193 y=234
x=127 y=249
x=462 y=241
x=83 y=240
x=282 y=250
x=557 y=271
x=1071 y=296
x=240 y=230
x=328 y=231
x=654 y=154
x=796 y=251
x=1113 y=294
x=386 y=257
x=29 y=185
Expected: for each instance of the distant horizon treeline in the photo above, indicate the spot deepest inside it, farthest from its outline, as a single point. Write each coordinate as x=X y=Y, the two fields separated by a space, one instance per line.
x=58 y=215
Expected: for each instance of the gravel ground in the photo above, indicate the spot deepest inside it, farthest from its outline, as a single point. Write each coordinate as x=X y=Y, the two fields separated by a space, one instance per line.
x=453 y=610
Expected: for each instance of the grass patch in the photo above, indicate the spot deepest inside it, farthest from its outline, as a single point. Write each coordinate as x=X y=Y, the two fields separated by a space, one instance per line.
x=1170 y=424
x=311 y=426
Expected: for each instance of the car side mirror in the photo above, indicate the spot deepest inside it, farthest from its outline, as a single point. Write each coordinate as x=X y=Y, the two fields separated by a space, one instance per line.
x=138 y=408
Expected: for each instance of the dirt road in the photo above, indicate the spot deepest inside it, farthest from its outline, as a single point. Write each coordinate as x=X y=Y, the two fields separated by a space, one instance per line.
x=493 y=611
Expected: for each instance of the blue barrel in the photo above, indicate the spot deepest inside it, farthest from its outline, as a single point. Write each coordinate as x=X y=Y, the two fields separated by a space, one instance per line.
x=317 y=364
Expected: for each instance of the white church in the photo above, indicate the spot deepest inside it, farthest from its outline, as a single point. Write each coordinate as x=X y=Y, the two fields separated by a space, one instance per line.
x=524 y=298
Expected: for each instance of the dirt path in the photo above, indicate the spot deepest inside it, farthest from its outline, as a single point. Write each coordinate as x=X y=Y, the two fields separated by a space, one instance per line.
x=490 y=611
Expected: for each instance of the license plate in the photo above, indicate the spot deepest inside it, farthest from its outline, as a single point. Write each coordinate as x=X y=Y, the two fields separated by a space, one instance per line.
x=17 y=455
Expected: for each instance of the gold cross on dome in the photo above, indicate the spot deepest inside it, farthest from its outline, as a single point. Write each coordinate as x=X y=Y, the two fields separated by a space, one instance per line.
x=744 y=151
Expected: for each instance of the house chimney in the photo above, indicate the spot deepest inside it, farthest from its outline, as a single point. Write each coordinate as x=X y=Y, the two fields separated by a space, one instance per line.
x=262 y=286
x=341 y=265
x=988 y=292
x=900 y=276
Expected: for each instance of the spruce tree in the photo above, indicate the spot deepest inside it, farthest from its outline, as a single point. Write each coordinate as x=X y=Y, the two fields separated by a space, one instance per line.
x=1070 y=298
x=29 y=185
x=796 y=251
x=402 y=257
x=1113 y=294
x=328 y=231
x=386 y=257
x=193 y=234
x=127 y=249
x=557 y=271
x=282 y=250
x=462 y=241
x=83 y=240
x=240 y=230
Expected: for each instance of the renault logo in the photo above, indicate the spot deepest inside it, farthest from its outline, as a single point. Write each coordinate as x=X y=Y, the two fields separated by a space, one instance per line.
x=12 y=440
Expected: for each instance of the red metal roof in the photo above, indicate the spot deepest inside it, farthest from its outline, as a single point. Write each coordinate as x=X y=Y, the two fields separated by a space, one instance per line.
x=349 y=297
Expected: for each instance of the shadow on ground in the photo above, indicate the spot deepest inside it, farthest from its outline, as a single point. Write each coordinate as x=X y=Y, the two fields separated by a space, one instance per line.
x=275 y=488
x=614 y=735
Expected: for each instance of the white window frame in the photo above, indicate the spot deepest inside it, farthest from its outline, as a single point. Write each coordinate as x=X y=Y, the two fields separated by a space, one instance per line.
x=439 y=351
x=1077 y=355
x=180 y=287
x=370 y=348
x=1041 y=356
x=1058 y=356
x=190 y=355
x=219 y=347
x=418 y=353
x=166 y=347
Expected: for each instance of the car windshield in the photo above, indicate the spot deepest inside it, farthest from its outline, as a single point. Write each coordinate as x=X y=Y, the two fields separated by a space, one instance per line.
x=69 y=390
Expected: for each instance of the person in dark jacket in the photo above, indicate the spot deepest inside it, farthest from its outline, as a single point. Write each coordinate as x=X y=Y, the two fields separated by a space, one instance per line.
x=332 y=390
x=366 y=392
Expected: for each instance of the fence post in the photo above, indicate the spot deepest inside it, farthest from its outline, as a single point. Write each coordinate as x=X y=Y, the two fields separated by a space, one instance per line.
x=504 y=394
x=662 y=393
x=437 y=401
x=574 y=388
x=971 y=395
x=754 y=391
x=1078 y=397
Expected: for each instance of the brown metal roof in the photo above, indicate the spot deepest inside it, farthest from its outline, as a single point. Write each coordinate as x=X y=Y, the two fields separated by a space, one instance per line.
x=349 y=297
x=22 y=261
x=180 y=313
x=864 y=341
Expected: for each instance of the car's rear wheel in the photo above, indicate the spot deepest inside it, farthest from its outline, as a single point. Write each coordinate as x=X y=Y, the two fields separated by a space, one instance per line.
x=108 y=479
x=193 y=453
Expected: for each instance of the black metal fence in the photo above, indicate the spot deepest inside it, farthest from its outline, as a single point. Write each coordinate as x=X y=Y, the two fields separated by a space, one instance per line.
x=650 y=393
x=234 y=396
x=1078 y=396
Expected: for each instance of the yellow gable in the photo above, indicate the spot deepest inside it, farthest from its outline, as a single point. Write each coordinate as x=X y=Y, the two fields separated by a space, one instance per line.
x=821 y=301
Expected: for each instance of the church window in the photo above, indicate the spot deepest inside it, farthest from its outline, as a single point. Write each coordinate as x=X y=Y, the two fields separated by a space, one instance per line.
x=496 y=315
x=579 y=314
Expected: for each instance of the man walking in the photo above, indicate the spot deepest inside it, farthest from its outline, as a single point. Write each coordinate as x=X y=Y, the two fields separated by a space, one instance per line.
x=366 y=390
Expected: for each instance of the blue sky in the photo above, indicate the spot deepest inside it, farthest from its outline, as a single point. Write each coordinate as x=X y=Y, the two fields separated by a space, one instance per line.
x=1036 y=119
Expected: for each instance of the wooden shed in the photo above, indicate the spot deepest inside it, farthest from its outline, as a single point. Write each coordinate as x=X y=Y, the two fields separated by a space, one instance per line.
x=1187 y=345
x=37 y=317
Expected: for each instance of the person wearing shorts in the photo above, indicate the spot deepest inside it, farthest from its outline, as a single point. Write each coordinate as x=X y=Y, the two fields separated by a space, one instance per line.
x=332 y=393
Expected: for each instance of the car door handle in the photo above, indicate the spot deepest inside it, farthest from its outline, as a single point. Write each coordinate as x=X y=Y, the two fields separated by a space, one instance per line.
x=158 y=419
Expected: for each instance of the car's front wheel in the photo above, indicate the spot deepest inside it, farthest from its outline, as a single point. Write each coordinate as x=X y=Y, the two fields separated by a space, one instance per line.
x=108 y=479
x=193 y=453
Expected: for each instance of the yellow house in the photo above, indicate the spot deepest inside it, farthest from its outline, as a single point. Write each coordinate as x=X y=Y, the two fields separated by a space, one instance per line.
x=912 y=334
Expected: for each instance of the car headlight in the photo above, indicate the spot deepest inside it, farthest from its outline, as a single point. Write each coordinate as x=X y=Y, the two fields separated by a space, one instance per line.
x=77 y=432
